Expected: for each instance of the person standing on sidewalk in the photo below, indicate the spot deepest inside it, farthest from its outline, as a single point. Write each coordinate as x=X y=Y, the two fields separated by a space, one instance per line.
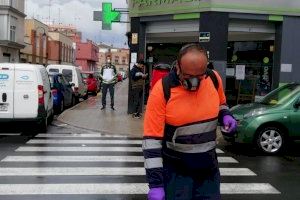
x=109 y=78
x=138 y=81
x=180 y=125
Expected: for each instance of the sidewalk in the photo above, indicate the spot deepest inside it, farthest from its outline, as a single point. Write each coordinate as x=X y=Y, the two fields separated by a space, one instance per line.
x=88 y=115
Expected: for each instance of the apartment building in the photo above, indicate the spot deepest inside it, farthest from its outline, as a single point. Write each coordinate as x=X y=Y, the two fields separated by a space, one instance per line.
x=60 y=49
x=35 y=39
x=12 y=29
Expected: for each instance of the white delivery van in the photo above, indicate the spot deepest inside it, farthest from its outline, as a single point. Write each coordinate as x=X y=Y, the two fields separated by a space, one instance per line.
x=72 y=75
x=25 y=94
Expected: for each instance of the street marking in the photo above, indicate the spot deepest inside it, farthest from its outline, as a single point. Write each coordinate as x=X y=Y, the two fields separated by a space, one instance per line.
x=9 y=134
x=90 y=159
x=80 y=149
x=81 y=135
x=227 y=160
x=236 y=172
x=75 y=171
x=84 y=148
x=101 y=171
x=121 y=188
x=248 y=188
x=84 y=141
x=73 y=159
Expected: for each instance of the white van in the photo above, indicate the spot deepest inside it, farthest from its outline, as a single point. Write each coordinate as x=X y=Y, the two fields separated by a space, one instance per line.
x=25 y=94
x=73 y=75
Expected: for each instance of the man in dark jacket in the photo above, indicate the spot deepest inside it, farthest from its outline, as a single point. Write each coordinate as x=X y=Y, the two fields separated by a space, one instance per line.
x=138 y=80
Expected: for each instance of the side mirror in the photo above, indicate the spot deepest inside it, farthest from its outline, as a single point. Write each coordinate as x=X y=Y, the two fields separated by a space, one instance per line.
x=297 y=104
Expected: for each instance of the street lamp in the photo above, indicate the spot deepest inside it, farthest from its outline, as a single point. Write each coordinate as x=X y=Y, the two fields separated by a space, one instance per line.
x=44 y=34
x=44 y=42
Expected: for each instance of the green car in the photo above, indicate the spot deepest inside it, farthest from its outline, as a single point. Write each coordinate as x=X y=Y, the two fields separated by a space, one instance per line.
x=270 y=123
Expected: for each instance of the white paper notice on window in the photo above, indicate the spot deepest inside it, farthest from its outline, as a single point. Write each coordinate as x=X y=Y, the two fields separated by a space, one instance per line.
x=240 y=72
x=286 y=68
x=230 y=71
x=133 y=57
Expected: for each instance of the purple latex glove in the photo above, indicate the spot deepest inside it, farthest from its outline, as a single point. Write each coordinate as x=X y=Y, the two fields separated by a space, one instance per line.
x=156 y=194
x=230 y=123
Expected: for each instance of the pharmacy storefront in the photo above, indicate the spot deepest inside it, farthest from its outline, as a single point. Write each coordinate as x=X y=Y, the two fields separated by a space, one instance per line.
x=254 y=44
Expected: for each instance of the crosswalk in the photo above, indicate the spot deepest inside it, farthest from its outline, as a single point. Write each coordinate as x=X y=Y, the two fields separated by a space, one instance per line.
x=93 y=166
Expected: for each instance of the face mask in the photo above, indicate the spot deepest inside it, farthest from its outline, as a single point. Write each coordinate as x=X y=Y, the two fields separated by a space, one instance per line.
x=191 y=84
x=108 y=61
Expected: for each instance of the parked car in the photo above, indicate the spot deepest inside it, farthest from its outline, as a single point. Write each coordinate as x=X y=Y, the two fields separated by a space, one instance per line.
x=73 y=75
x=92 y=82
x=25 y=94
x=270 y=123
x=119 y=77
x=62 y=92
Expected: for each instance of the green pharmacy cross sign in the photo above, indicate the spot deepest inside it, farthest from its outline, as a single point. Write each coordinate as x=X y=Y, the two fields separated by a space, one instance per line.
x=107 y=16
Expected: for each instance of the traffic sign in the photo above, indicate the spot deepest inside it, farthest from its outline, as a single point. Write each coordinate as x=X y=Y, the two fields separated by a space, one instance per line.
x=204 y=37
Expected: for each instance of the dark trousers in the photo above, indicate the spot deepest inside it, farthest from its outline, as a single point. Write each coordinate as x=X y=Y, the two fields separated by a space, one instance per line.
x=137 y=94
x=198 y=185
x=111 y=88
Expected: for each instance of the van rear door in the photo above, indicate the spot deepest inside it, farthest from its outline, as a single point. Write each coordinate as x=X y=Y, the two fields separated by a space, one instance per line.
x=26 y=92
x=6 y=91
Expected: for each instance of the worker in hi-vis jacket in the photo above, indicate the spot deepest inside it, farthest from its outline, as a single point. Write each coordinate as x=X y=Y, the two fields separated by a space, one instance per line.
x=181 y=119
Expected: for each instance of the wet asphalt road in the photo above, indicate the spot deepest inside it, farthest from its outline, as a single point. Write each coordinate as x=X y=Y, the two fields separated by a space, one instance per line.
x=78 y=178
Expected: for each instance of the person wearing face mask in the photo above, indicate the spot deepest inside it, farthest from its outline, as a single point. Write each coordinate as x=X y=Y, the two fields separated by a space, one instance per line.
x=179 y=142
x=109 y=78
x=138 y=83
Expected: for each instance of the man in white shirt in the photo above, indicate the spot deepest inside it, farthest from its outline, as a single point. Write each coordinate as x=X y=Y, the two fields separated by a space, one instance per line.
x=109 y=78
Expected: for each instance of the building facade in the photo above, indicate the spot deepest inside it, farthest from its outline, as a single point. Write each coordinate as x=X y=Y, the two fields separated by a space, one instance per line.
x=35 y=39
x=87 y=55
x=244 y=38
x=119 y=56
x=12 y=30
x=60 y=49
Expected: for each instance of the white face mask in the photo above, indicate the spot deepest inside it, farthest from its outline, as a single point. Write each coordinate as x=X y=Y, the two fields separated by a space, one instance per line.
x=108 y=61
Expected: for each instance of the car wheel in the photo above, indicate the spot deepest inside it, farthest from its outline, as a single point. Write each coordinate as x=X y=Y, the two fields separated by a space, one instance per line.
x=62 y=106
x=85 y=97
x=270 y=140
x=73 y=101
x=51 y=117
x=43 y=126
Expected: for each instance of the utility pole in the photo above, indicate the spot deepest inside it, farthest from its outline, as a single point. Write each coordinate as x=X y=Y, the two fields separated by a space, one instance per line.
x=50 y=3
x=58 y=15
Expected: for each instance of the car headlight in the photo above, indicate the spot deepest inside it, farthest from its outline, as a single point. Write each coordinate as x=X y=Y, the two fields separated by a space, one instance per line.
x=253 y=113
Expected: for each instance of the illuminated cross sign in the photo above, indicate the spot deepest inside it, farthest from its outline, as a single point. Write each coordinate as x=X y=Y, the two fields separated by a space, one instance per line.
x=107 y=16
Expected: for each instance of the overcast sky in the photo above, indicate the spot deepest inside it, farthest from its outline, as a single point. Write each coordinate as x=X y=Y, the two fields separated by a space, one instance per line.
x=80 y=14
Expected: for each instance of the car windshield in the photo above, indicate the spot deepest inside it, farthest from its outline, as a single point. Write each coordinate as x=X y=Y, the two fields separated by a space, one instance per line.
x=67 y=74
x=281 y=95
x=85 y=75
x=53 y=83
x=54 y=70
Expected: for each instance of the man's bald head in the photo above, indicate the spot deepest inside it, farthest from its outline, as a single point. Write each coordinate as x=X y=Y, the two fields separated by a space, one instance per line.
x=192 y=60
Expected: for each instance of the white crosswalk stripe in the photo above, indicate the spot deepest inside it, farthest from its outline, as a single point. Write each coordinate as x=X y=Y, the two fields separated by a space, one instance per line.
x=125 y=188
x=62 y=149
x=97 y=171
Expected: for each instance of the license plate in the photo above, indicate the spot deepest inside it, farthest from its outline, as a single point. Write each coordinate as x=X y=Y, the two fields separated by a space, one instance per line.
x=3 y=108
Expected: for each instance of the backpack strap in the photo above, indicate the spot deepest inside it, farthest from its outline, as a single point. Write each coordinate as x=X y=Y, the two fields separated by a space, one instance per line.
x=166 y=88
x=213 y=77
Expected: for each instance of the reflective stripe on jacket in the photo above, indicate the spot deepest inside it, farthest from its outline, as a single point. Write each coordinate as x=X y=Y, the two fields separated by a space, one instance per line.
x=184 y=129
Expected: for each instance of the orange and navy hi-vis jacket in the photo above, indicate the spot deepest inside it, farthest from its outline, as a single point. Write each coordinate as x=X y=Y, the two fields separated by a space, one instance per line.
x=182 y=130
